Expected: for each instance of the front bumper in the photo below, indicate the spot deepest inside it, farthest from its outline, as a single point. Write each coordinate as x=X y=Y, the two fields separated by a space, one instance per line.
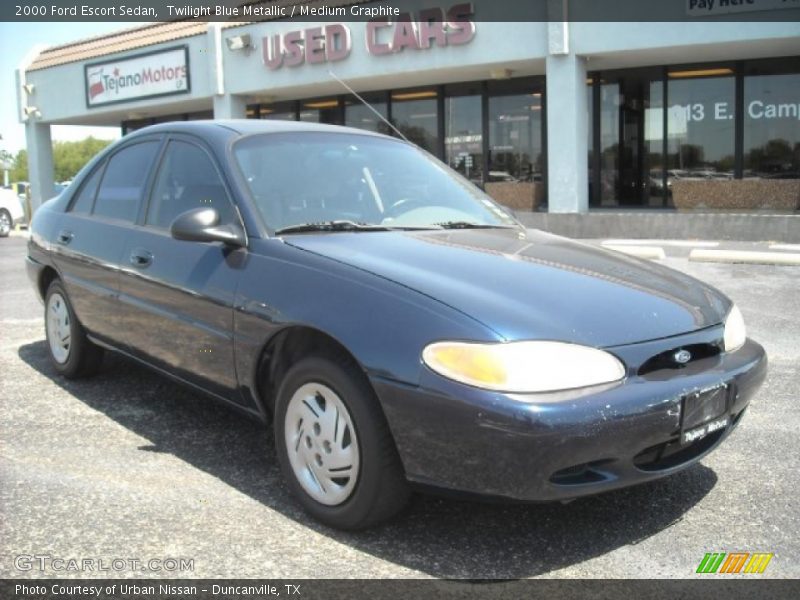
x=556 y=447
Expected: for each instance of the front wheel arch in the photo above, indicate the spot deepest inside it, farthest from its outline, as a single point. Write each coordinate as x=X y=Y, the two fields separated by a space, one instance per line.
x=287 y=347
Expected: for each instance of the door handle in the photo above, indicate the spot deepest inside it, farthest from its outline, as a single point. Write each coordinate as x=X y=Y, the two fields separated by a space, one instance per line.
x=64 y=237
x=141 y=258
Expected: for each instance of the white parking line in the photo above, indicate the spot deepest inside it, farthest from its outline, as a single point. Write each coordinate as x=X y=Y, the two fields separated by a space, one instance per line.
x=651 y=252
x=790 y=247
x=680 y=243
x=744 y=256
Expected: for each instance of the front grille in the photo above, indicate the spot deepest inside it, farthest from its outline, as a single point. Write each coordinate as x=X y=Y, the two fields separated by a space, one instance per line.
x=666 y=360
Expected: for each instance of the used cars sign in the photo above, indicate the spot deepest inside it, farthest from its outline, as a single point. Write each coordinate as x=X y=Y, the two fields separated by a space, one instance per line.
x=147 y=75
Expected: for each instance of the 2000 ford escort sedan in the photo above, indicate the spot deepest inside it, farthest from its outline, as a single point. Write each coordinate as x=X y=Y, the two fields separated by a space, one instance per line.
x=395 y=324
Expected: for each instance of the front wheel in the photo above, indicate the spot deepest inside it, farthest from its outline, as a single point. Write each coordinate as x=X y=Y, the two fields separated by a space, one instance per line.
x=334 y=445
x=71 y=352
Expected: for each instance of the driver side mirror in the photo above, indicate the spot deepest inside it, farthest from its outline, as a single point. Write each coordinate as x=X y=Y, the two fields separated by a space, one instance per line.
x=202 y=225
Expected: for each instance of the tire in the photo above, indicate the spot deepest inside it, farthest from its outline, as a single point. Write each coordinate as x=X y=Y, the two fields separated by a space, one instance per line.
x=6 y=223
x=78 y=357
x=312 y=435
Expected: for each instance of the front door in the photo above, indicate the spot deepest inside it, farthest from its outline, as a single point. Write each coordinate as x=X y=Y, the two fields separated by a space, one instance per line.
x=177 y=296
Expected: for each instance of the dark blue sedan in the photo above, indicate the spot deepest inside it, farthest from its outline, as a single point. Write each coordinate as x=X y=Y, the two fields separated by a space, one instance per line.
x=396 y=325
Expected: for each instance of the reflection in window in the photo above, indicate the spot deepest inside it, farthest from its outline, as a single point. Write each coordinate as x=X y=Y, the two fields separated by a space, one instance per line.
x=700 y=124
x=85 y=198
x=360 y=116
x=653 y=159
x=123 y=181
x=610 y=100
x=631 y=138
x=321 y=111
x=187 y=179
x=283 y=111
x=415 y=115
x=463 y=143
x=772 y=126
x=515 y=125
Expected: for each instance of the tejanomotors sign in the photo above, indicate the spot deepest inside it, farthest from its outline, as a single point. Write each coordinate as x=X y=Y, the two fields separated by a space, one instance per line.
x=148 y=75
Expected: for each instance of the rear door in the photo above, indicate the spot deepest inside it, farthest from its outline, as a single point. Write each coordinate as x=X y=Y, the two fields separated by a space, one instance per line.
x=92 y=233
x=178 y=295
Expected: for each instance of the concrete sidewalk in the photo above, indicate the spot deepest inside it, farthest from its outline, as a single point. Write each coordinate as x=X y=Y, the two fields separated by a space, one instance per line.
x=765 y=253
x=670 y=224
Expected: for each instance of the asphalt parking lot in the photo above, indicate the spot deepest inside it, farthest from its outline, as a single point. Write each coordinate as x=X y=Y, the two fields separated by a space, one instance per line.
x=130 y=465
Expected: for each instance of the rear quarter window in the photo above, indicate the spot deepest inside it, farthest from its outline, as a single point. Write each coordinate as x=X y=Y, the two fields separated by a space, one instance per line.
x=84 y=199
x=123 y=182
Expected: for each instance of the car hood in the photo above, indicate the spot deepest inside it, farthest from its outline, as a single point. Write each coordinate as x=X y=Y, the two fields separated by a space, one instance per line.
x=532 y=285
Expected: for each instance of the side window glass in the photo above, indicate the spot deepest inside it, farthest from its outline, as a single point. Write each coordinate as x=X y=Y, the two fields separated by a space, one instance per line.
x=187 y=179
x=85 y=198
x=124 y=180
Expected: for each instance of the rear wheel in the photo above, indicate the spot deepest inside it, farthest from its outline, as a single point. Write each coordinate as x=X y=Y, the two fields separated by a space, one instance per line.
x=71 y=352
x=334 y=446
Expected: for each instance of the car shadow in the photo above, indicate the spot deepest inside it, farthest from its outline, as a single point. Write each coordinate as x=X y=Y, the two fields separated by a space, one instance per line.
x=436 y=536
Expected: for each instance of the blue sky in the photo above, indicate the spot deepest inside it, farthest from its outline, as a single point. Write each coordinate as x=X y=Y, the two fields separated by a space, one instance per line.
x=16 y=39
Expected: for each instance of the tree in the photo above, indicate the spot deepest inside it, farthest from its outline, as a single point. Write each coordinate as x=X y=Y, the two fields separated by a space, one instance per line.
x=68 y=159
x=19 y=171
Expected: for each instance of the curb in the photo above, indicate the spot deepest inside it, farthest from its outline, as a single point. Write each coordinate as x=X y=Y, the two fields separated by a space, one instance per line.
x=789 y=247
x=651 y=252
x=745 y=256
x=653 y=242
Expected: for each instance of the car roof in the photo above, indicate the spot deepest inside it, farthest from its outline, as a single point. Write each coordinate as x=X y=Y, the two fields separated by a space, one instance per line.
x=243 y=127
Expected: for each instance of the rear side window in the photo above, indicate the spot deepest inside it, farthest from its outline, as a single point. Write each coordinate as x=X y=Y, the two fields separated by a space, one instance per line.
x=85 y=197
x=187 y=179
x=124 y=180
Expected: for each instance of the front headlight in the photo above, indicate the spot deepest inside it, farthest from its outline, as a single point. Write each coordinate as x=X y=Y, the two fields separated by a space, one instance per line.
x=735 y=333
x=523 y=367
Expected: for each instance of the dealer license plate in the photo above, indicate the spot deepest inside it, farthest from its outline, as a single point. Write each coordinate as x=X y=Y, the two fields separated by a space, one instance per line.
x=704 y=413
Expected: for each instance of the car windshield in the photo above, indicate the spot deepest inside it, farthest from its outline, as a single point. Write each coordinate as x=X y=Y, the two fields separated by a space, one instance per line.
x=306 y=181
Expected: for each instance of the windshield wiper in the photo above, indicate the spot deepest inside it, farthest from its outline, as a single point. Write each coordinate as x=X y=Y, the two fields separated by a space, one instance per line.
x=346 y=225
x=341 y=225
x=469 y=225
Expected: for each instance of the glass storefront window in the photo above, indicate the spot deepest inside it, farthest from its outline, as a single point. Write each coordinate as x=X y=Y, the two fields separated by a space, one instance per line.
x=463 y=142
x=653 y=166
x=515 y=138
x=772 y=126
x=415 y=114
x=516 y=160
x=360 y=116
x=321 y=111
x=700 y=124
x=284 y=111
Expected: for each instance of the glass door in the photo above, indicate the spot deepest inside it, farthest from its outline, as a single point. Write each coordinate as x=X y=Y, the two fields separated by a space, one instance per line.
x=628 y=140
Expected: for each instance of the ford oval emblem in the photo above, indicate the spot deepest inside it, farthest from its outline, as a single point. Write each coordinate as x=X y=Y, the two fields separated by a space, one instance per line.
x=682 y=357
